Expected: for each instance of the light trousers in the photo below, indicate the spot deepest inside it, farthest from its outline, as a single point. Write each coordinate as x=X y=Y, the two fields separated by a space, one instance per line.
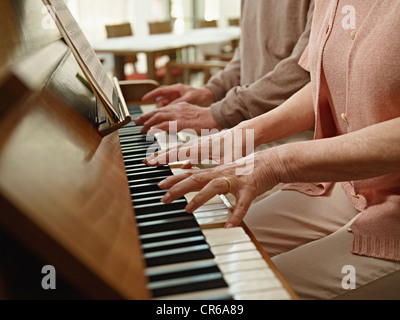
x=309 y=240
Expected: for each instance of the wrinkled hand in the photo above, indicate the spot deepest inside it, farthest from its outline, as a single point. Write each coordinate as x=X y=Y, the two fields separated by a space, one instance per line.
x=211 y=182
x=223 y=147
x=180 y=93
x=185 y=116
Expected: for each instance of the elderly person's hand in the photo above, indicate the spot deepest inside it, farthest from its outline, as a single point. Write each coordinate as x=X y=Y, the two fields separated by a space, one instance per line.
x=183 y=115
x=173 y=94
x=223 y=147
x=261 y=176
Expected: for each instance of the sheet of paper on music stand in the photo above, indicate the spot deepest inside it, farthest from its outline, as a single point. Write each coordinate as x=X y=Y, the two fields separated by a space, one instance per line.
x=85 y=55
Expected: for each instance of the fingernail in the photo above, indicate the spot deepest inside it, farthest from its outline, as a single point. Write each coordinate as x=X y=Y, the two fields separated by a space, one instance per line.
x=152 y=162
x=166 y=199
x=229 y=226
x=190 y=207
x=162 y=183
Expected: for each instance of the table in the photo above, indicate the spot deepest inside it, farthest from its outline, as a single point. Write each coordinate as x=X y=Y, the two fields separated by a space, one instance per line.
x=162 y=44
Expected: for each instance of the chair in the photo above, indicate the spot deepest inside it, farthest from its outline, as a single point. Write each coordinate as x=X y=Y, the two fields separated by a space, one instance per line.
x=160 y=28
x=228 y=50
x=190 y=67
x=207 y=24
x=125 y=30
x=234 y=22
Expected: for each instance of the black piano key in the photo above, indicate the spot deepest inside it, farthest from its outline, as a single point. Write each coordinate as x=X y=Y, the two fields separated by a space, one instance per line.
x=164 y=215
x=176 y=244
x=188 y=285
x=151 y=246
x=144 y=195
x=144 y=168
x=147 y=187
x=187 y=254
x=181 y=270
x=155 y=200
x=137 y=151
x=170 y=235
x=167 y=225
x=138 y=138
x=148 y=174
x=140 y=144
x=149 y=200
x=157 y=179
x=135 y=157
x=133 y=166
x=160 y=207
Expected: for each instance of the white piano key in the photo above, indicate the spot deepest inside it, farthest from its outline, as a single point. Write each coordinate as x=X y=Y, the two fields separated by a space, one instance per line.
x=259 y=274
x=234 y=257
x=223 y=232
x=277 y=294
x=213 y=221
x=219 y=241
x=212 y=213
x=233 y=248
x=211 y=207
x=147 y=108
x=243 y=266
x=255 y=286
x=216 y=200
x=179 y=171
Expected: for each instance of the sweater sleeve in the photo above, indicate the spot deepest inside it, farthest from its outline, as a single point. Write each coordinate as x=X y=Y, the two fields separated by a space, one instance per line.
x=226 y=79
x=246 y=102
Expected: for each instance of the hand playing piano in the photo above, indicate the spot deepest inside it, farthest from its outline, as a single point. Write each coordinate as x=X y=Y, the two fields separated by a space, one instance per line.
x=179 y=117
x=176 y=93
x=223 y=147
x=261 y=174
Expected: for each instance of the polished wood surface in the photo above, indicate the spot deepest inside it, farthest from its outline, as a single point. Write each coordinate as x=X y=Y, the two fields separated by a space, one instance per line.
x=64 y=195
x=68 y=198
x=71 y=185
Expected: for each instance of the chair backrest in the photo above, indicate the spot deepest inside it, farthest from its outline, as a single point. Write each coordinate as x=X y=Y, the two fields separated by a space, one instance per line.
x=160 y=27
x=234 y=22
x=207 y=24
x=119 y=30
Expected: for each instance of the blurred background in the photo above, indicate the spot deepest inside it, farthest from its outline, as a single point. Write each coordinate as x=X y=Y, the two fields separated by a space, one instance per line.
x=183 y=15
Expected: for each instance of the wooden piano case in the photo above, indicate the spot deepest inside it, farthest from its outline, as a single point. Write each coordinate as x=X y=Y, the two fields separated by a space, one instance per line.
x=64 y=199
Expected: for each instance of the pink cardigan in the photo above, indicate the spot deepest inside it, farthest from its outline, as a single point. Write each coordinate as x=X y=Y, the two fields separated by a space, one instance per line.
x=372 y=96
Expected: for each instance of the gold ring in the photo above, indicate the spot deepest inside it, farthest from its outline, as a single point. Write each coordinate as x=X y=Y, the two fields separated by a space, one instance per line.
x=230 y=185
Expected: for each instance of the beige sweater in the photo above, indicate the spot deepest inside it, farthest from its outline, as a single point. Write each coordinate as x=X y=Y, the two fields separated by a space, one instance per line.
x=265 y=71
x=356 y=83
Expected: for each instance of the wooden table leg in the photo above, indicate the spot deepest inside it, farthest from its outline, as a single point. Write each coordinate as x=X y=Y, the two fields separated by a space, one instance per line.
x=119 y=67
x=151 y=68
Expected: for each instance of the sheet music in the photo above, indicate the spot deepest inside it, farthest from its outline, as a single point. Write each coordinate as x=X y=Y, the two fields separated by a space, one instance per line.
x=85 y=55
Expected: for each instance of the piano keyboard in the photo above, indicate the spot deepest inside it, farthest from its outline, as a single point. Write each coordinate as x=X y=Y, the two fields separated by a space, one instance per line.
x=190 y=257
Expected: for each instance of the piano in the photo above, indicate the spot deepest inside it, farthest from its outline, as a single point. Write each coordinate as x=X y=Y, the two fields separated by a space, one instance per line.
x=83 y=202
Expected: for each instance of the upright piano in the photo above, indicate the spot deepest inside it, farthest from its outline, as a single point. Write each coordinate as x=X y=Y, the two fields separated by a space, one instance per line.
x=81 y=201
